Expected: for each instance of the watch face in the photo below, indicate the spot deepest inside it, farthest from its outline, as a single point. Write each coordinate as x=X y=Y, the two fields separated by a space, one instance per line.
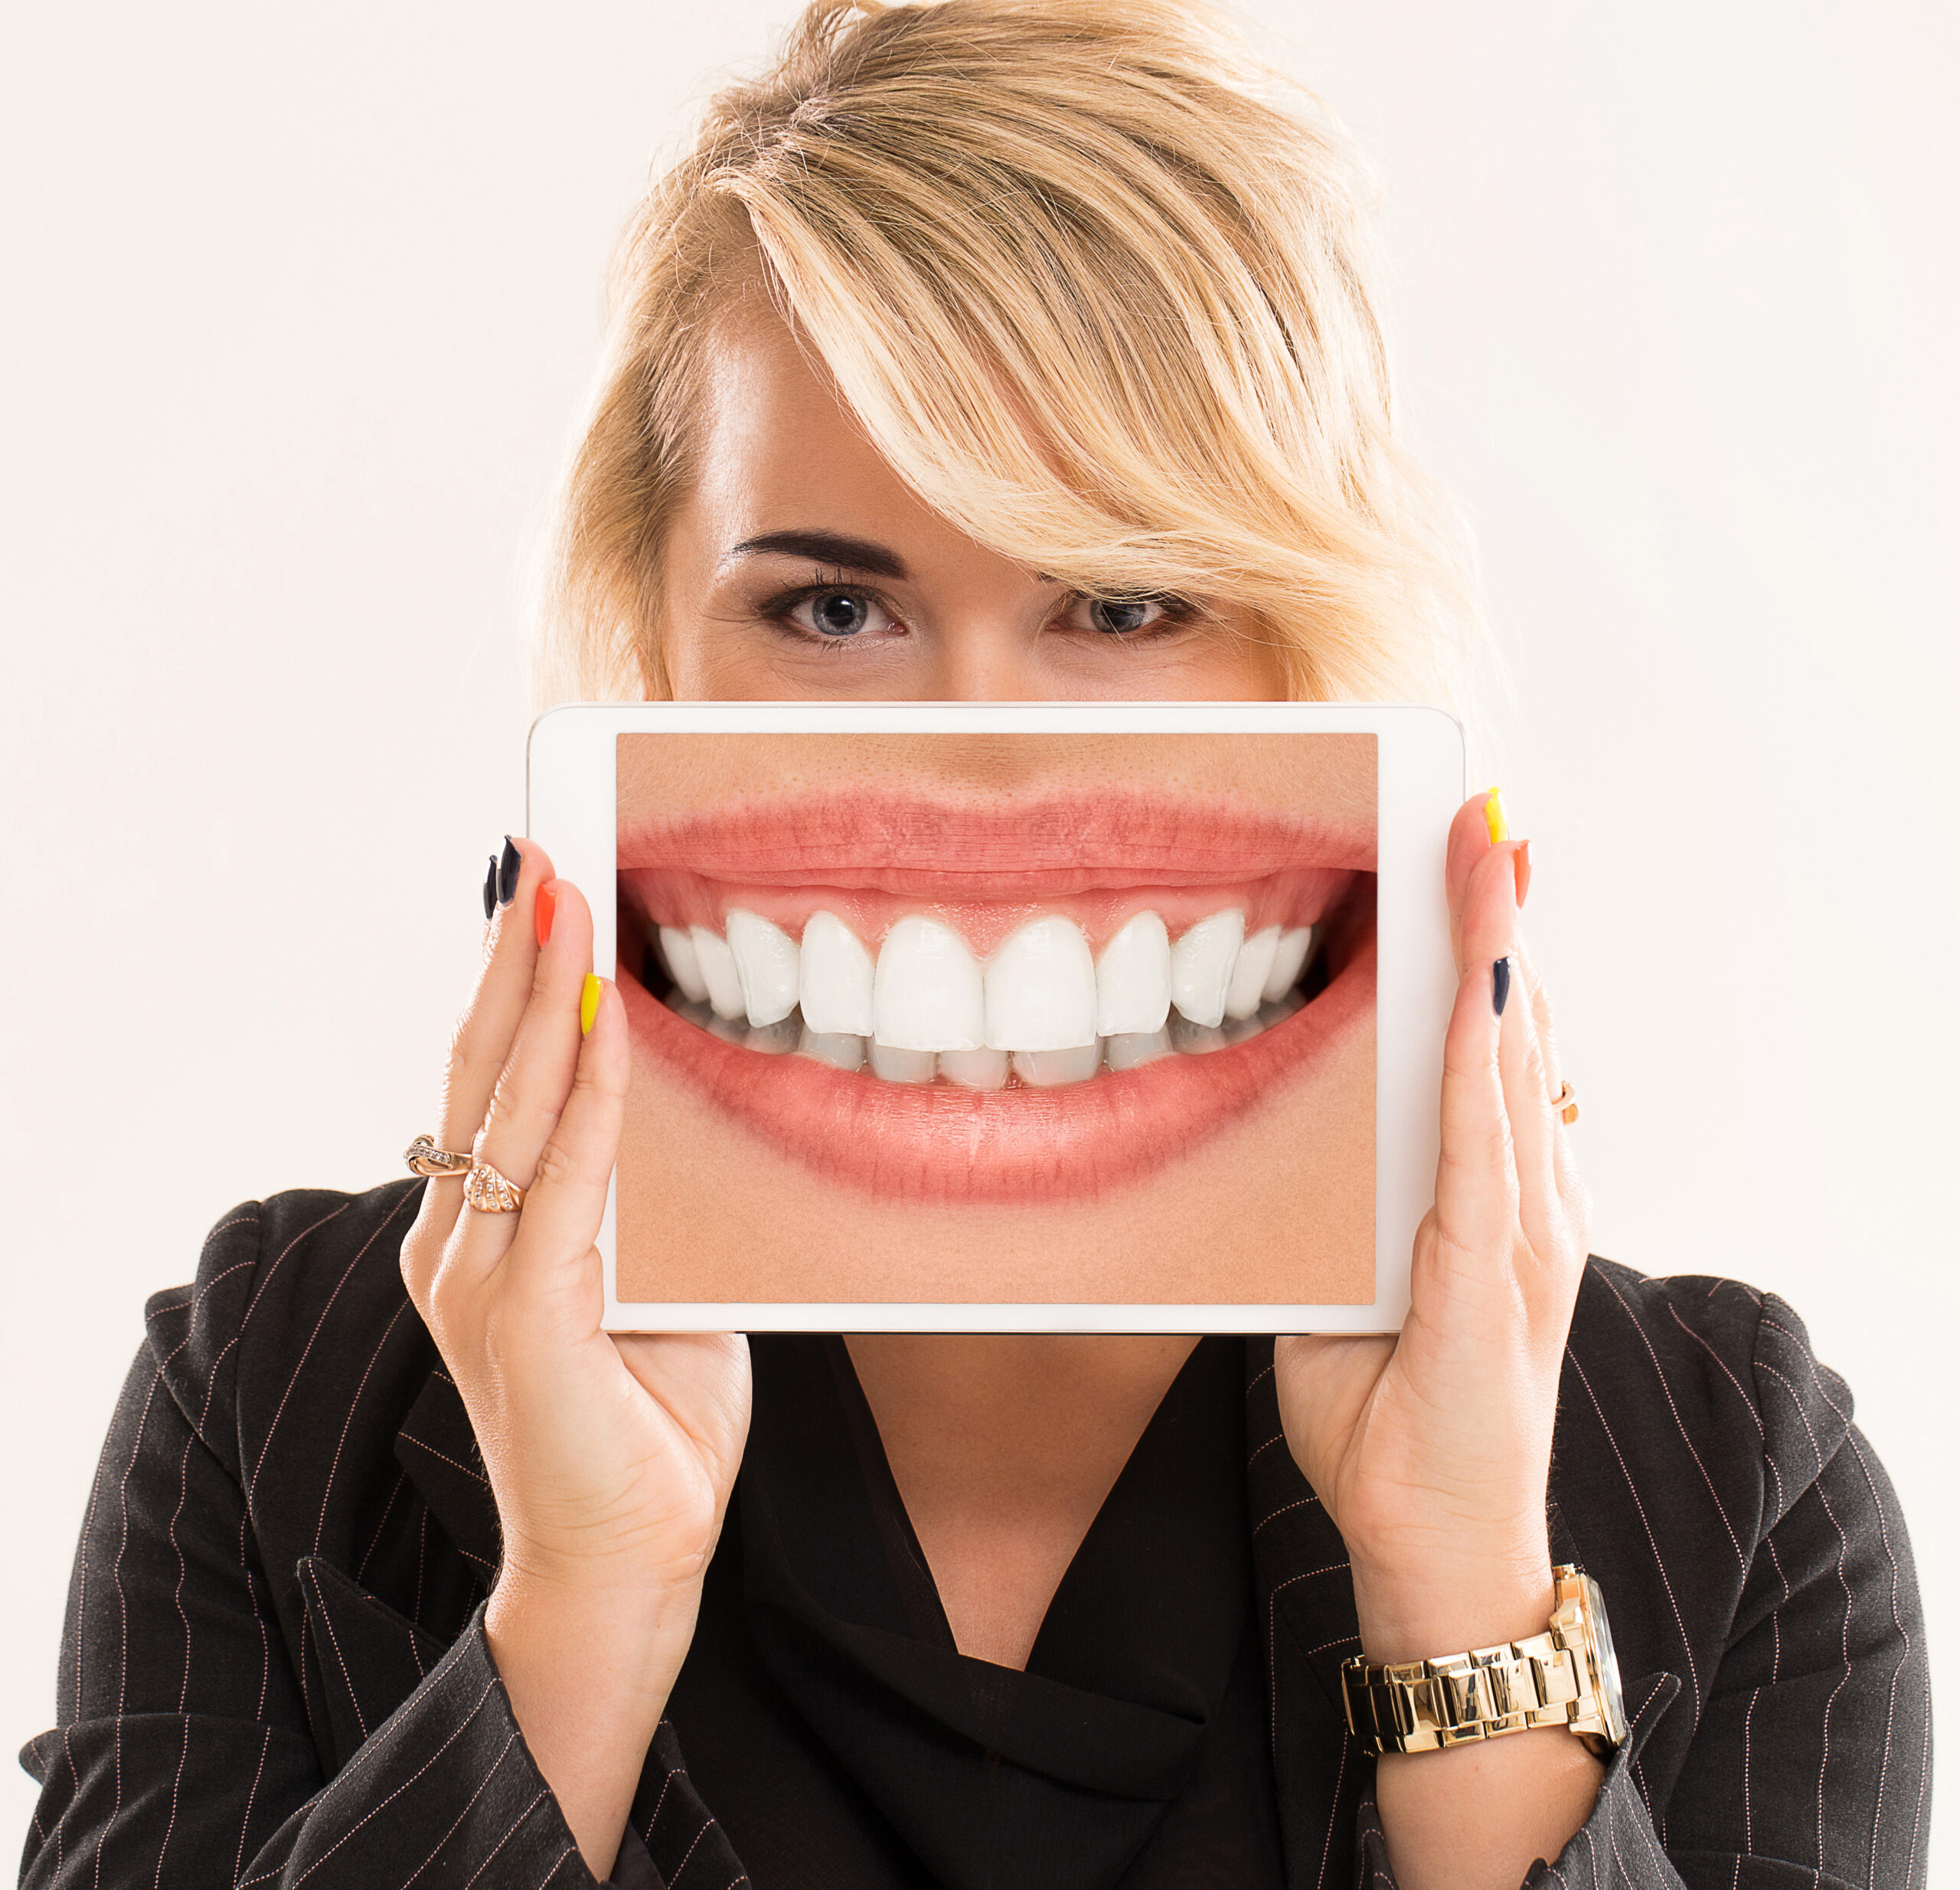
x=1612 y=1706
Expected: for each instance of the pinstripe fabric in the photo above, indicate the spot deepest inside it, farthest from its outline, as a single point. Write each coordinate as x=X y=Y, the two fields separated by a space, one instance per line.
x=1706 y=1469
x=274 y=1671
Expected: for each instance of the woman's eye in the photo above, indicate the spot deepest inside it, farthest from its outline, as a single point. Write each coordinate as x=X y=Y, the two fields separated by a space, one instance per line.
x=1124 y=616
x=835 y=613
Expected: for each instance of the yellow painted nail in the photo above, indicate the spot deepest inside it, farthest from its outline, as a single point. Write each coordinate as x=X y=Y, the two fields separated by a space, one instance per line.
x=589 y=1004
x=1494 y=819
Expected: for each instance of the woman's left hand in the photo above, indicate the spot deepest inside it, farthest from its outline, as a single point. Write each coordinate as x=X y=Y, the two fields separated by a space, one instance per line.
x=1431 y=1449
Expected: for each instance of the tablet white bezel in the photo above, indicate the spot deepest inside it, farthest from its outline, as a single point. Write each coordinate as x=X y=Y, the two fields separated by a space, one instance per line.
x=572 y=813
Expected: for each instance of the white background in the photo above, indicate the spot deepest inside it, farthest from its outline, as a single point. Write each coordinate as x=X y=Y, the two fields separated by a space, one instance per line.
x=300 y=302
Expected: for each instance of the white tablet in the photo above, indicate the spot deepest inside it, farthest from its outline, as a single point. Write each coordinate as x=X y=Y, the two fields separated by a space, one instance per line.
x=1014 y=1017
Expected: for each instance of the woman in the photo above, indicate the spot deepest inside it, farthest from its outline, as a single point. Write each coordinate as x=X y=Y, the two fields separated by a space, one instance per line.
x=979 y=351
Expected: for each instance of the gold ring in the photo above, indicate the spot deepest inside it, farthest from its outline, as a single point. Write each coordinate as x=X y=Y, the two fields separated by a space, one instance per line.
x=1562 y=1104
x=490 y=1192
x=424 y=1158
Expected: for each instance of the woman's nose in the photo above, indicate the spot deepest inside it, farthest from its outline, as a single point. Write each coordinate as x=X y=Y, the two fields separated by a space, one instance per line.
x=983 y=657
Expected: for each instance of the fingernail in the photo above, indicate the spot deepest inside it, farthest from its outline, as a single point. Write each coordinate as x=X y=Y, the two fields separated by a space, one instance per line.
x=589 y=1004
x=1521 y=864
x=547 y=909
x=1500 y=984
x=507 y=869
x=490 y=891
x=1494 y=820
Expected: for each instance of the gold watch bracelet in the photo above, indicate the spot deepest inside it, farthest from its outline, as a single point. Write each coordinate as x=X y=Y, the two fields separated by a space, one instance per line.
x=1457 y=1699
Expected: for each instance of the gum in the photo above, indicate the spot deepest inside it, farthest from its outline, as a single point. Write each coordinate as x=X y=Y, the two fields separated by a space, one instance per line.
x=673 y=896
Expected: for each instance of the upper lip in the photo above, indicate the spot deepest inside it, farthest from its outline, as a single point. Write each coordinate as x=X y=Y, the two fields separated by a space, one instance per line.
x=994 y=846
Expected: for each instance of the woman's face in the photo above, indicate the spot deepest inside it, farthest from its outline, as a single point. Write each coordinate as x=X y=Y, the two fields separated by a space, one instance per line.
x=801 y=565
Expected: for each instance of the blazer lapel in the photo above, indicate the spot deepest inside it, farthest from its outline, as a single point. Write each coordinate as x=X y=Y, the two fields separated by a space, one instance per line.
x=437 y=1448
x=359 y=1660
x=1299 y=1560
x=1305 y=1595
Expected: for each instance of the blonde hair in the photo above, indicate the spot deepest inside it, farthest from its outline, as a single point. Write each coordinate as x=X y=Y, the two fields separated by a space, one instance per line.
x=1099 y=288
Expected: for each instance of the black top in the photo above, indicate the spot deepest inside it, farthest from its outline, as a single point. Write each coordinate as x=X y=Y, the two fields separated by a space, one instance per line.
x=274 y=1672
x=1131 y=1752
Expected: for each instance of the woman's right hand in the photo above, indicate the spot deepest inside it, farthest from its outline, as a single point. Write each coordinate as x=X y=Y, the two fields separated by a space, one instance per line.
x=610 y=1459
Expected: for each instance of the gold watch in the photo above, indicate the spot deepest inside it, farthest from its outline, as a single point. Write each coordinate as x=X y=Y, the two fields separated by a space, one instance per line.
x=1567 y=1676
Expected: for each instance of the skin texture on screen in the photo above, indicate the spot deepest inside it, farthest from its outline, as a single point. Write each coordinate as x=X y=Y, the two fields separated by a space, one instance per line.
x=1029 y=1019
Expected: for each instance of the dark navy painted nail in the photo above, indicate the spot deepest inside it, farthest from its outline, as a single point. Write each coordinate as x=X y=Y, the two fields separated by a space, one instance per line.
x=1500 y=984
x=490 y=891
x=507 y=869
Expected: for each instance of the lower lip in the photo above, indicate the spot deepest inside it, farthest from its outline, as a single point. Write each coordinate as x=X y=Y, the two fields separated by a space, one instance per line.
x=934 y=1145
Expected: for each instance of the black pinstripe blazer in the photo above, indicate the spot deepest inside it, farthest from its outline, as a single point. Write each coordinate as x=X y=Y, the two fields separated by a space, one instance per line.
x=274 y=1671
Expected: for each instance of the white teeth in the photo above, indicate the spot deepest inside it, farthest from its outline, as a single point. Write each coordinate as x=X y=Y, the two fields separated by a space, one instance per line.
x=765 y=960
x=1133 y=978
x=1048 y=1068
x=974 y=1069
x=682 y=966
x=1040 y=989
x=718 y=972
x=1289 y=960
x=1133 y=1049
x=894 y=1065
x=927 y=993
x=840 y=1050
x=1201 y=965
x=836 y=978
x=1246 y=992
x=1041 y=1008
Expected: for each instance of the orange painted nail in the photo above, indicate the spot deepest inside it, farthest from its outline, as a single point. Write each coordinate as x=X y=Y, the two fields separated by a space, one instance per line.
x=589 y=1004
x=1521 y=864
x=1494 y=820
x=547 y=909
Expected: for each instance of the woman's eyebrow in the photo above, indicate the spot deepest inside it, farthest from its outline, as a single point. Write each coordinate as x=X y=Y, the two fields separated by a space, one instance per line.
x=824 y=547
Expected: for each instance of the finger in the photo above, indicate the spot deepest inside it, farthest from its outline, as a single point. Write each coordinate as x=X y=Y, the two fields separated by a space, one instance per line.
x=536 y=1078
x=1547 y=1031
x=1527 y=1107
x=481 y=1043
x=1479 y=825
x=1476 y=1178
x=477 y=1048
x=1490 y=924
x=530 y=1094
x=1541 y=1013
x=553 y=1257
x=1572 y=1190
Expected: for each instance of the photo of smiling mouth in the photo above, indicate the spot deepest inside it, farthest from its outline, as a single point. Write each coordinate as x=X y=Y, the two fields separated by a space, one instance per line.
x=950 y=1000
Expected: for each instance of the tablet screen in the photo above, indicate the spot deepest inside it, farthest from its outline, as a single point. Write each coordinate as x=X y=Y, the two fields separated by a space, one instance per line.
x=1063 y=1018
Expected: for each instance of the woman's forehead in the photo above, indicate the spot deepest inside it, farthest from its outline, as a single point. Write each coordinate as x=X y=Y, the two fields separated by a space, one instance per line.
x=780 y=457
